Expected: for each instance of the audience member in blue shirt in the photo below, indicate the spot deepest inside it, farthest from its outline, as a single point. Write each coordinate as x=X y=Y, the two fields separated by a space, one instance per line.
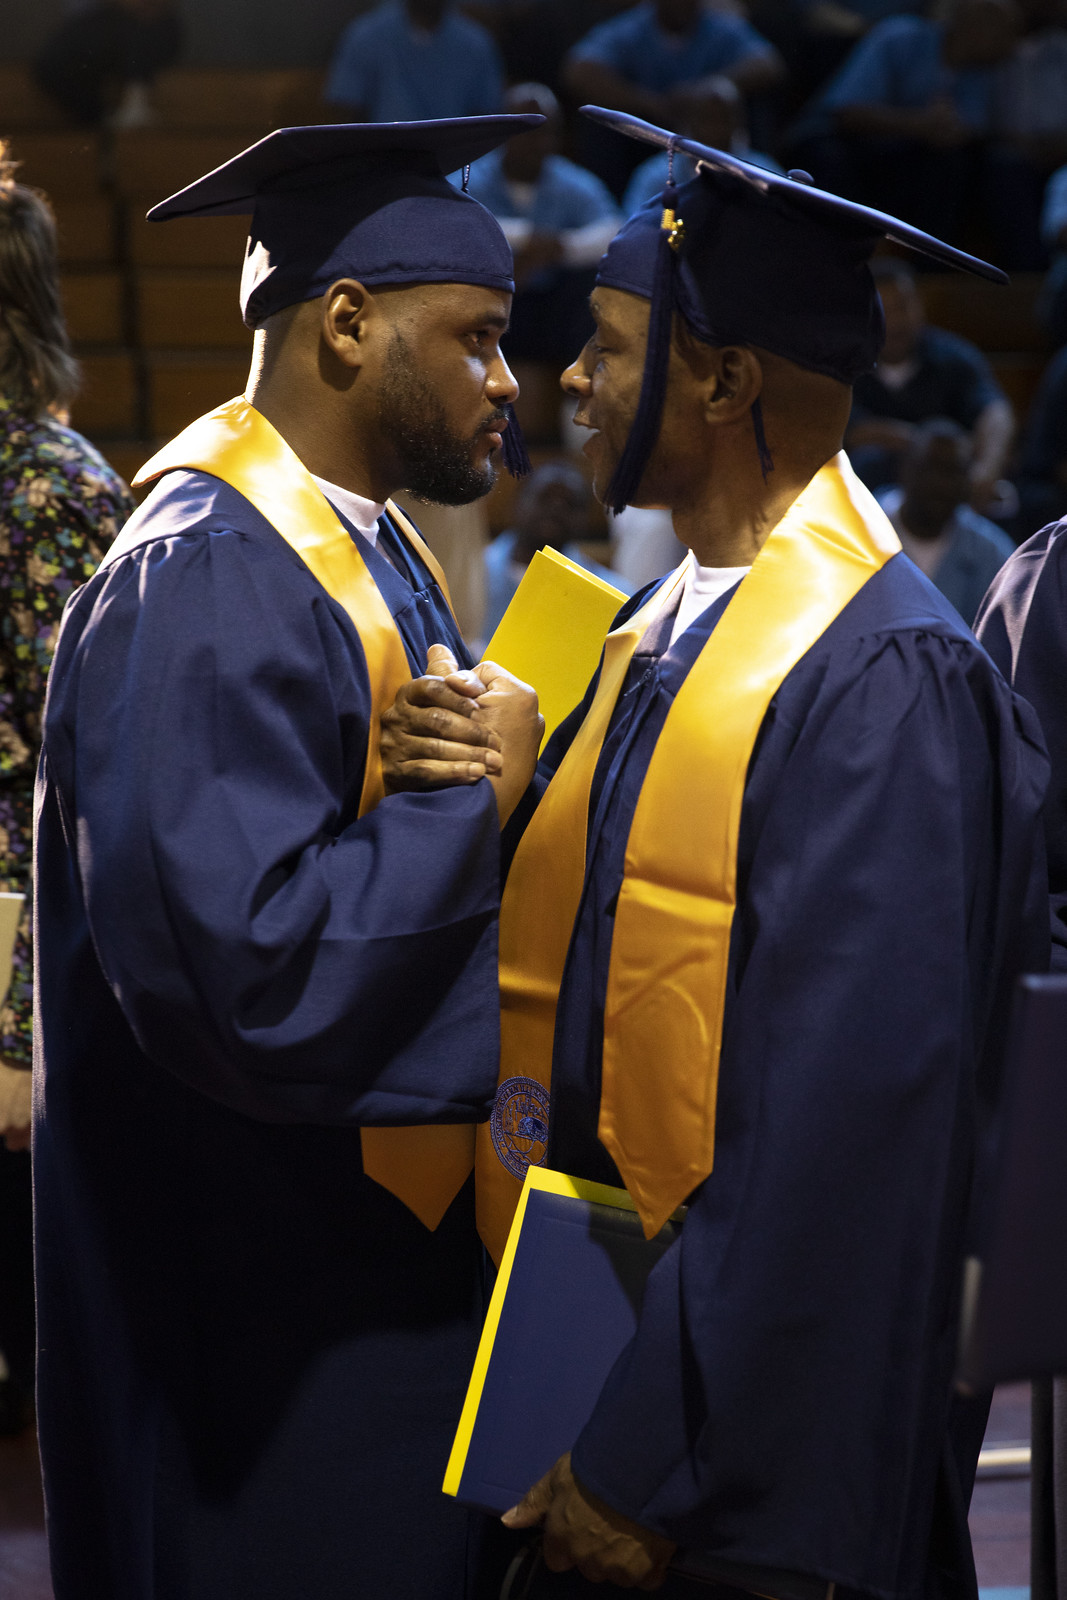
x=635 y=60
x=924 y=373
x=408 y=60
x=651 y=60
x=716 y=118
x=1052 y=305
x=558 y=218
x=816 y=36
x=552 y=509
x=897 y=125
x=958 y=550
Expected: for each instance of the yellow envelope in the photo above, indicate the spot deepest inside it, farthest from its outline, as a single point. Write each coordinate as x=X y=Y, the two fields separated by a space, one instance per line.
x=553 y=631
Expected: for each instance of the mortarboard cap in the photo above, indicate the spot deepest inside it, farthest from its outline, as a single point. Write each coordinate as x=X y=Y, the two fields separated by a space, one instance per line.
x=748 y=257
x=359 y=200
x=362 y=200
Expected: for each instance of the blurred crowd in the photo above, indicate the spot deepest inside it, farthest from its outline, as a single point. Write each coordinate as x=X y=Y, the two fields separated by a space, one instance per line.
x=950 y=113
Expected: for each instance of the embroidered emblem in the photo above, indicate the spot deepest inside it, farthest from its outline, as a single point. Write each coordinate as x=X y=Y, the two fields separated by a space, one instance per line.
x=519 y=1125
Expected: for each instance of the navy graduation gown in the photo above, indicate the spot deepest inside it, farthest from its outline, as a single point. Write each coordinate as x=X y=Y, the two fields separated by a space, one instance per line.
x=252 y=1357
x=786 y=1402
x=1023 y=625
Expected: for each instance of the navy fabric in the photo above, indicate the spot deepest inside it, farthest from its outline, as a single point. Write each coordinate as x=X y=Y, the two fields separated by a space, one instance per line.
x=401 y=227
x=755 y=269
x=356 y=200
x=786 y=1401
x=251 y=1357
x=1023 y=625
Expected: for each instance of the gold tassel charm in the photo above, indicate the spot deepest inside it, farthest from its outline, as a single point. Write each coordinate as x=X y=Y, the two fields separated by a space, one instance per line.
x=672 y=225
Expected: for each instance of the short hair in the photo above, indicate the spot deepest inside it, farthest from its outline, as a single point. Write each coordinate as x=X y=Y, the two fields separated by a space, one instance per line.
x=37 y=369
x=550 y=473
x=892 y=270
x=934 y=429
x=538 y=94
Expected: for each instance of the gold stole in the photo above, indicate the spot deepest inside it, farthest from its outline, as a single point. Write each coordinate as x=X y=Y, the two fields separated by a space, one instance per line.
x=425 y=1167
x=667 y=978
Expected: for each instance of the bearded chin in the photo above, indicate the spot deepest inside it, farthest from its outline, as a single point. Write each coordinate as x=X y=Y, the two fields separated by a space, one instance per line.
x=446 y=481
x=438 y=464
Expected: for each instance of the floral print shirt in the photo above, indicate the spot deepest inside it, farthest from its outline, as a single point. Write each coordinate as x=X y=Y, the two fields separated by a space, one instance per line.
x=61 y=506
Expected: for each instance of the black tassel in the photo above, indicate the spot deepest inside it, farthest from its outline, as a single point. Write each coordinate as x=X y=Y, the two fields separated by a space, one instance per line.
x=766 y=460
x=516 y=457
x=644 y=430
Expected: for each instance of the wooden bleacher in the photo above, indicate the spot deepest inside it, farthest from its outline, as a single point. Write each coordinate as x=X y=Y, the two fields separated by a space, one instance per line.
x=88 y=232
x=93 y=303
x=186 y=242
x=244 y=100
x=23 y=108
x=191 y=308
x=1000 y=319
x=107 y=404
x=150 y=163
x=65 y=165
x=182 y=386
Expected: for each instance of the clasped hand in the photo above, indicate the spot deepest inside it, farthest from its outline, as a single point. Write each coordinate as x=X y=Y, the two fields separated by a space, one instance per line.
x=582 y=1531
x=454 y=727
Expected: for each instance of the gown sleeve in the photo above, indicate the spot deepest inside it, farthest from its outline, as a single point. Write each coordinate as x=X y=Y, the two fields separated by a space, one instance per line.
x=1023 y=625
x=795 y=1346
x=205 y=741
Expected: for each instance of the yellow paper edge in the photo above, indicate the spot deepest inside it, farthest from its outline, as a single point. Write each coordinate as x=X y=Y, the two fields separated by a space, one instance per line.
x=554 y=1183
x=583 y=572
x=560 y=560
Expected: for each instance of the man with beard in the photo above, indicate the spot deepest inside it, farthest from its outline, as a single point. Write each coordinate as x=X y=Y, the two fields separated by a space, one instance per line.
x=760 y=932
x=268 y=1005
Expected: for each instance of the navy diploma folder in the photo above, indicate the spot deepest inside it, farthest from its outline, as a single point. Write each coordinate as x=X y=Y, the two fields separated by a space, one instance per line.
x=565 y=1306
x=1015 y=1292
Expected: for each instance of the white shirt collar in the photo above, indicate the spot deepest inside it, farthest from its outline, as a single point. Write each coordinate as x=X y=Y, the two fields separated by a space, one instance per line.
x=364 y=513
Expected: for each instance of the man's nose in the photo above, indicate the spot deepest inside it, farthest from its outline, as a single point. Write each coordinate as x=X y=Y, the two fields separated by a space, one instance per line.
x=502 y=386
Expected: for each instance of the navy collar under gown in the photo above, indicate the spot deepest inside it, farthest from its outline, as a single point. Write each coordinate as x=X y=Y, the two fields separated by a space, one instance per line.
x=786 y=1403
x=252 y=1358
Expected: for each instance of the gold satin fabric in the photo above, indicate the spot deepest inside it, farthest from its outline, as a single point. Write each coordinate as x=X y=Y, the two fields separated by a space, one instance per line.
x=667 y=976
x=425 y=1167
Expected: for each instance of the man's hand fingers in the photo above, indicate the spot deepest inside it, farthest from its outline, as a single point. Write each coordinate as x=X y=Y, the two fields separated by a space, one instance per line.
x=409 y=749
x=420 y=775
x=436 y=722
x=440 y=662
x=494 y=676
x=531 y=1509
x=457 y=694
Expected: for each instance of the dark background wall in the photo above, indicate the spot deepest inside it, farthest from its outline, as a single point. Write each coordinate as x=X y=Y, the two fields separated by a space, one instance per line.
x=228 y=33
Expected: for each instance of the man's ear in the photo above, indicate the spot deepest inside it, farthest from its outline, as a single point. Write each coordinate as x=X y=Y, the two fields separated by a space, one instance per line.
x=735 y=383
x=347 y=309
